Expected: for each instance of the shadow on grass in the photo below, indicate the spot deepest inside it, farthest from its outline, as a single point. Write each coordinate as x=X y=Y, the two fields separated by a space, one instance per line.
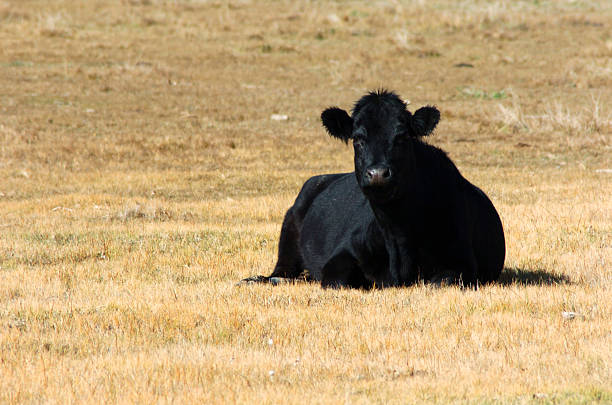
x=508 y=277
x=518 y=276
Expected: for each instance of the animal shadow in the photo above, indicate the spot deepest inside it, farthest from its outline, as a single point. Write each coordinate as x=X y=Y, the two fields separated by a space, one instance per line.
x=517 y=276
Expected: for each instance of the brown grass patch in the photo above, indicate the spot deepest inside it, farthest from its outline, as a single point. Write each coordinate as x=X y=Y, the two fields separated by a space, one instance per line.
x=142 y=176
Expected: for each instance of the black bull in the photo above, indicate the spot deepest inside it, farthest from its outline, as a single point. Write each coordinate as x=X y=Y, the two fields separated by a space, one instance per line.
x=404 y=214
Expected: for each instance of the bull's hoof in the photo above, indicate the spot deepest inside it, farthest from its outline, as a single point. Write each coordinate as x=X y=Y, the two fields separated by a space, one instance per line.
x=253 y=280
x=266 y=280
x=280 y=280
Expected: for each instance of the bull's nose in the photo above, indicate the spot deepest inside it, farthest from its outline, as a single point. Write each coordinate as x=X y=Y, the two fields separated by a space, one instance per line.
x=378 y=175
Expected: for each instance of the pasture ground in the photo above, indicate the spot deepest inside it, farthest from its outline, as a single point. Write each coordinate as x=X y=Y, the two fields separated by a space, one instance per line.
x=141 y=176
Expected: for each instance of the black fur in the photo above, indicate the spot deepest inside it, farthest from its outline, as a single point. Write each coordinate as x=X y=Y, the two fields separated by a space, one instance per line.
x=338 y=123
x=404 y=214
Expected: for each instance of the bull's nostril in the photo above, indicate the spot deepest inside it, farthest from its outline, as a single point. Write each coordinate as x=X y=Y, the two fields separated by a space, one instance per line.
x=378 y=176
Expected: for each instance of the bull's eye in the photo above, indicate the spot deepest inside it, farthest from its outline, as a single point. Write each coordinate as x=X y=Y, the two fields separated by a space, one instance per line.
x=358 y=143
x=400 y=140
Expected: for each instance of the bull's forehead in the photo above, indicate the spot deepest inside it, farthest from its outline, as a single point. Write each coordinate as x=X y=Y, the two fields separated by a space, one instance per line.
x=379 y=119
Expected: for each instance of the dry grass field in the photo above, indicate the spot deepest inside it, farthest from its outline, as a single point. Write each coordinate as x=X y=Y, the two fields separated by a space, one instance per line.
x=141 y=176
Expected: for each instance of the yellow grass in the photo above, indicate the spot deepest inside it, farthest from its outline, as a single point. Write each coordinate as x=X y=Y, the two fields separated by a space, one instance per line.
x=141 y=177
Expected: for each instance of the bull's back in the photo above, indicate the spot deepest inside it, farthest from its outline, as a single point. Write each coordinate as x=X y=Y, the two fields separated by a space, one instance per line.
x=311 y=190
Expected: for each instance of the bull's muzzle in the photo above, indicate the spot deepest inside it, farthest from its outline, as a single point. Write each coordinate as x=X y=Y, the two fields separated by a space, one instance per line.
x=378 y=176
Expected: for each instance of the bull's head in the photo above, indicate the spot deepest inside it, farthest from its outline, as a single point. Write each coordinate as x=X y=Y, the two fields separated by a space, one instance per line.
x=383 y=132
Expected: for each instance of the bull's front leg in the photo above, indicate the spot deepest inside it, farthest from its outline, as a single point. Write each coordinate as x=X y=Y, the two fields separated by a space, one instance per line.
x=343 y=270
x=402 y=266
x=400 y=249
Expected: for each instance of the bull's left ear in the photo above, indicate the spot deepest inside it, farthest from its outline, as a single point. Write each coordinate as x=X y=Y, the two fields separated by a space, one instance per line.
x=338 y=123
x=425 y=120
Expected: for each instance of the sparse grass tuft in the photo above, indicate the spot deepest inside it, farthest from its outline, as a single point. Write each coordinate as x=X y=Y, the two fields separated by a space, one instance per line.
x=585 y=121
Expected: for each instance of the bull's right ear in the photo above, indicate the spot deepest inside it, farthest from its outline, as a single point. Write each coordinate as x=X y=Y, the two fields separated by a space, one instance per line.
x=338 y=123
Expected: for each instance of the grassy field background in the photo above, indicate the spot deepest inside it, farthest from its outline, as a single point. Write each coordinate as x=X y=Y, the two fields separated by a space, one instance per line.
x=141 y=176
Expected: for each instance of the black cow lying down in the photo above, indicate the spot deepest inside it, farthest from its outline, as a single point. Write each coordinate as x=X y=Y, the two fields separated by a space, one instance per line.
x=405 y=214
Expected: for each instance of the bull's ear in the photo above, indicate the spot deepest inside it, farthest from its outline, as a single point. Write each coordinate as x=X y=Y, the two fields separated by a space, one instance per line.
x=425 y=120
x=338 y=123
